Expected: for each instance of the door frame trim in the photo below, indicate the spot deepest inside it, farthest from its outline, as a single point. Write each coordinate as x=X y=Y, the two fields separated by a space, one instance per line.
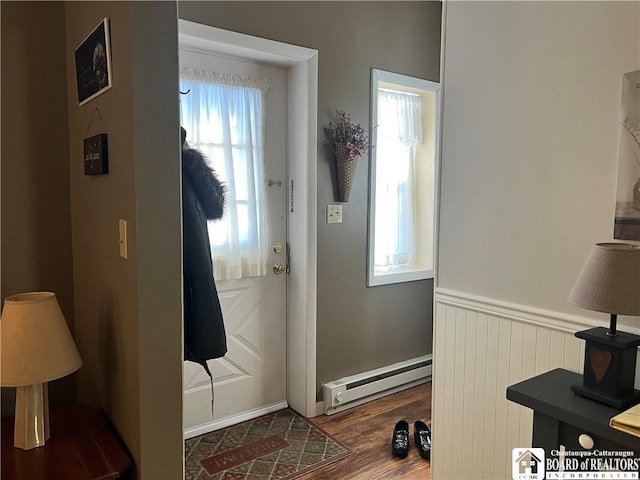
x=301 y=65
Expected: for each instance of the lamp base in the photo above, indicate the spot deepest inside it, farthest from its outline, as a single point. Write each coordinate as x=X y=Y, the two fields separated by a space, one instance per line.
x=32 y=416
x=609 y=367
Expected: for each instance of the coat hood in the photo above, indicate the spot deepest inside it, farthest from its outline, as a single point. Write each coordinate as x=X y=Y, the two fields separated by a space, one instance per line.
x=209 y=190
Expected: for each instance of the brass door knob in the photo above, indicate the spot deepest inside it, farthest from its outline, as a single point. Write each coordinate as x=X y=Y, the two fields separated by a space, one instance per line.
x=279 y=269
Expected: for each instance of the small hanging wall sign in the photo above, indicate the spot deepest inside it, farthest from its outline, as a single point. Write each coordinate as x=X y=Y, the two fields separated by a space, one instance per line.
x=96 y=152
x=96 y=155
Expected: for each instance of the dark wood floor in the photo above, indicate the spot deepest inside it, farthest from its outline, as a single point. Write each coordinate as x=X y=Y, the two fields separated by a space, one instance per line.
x=367 y=430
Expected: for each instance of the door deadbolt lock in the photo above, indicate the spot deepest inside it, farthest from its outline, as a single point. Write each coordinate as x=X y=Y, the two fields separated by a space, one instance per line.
x=277 y=247
x=279 y=268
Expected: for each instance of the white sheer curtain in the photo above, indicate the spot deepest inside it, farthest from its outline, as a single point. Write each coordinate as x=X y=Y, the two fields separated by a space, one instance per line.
x=399 y=131
x=224 y=118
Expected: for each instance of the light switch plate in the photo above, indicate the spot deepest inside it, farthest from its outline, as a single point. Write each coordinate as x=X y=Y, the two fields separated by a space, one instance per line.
x=122 y=237
x=334 y=213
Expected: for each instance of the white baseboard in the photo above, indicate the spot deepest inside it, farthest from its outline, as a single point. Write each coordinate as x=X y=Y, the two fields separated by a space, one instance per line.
x=217 y=424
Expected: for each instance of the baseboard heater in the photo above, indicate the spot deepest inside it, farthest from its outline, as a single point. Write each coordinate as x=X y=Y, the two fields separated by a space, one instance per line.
x=355 y=390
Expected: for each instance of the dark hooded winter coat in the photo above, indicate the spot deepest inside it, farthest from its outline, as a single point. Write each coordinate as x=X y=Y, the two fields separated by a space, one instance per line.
x=202 y=200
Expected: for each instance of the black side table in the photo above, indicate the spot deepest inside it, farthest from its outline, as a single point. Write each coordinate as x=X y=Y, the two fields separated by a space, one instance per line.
x=560 y=416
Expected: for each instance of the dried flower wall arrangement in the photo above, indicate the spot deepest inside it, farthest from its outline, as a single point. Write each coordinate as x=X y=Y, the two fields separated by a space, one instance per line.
x=347 y=135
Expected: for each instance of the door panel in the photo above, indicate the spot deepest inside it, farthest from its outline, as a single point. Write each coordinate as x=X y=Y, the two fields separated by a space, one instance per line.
x=252 y=375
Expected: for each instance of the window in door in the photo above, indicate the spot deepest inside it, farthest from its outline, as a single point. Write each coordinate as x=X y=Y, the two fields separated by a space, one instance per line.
x=223 y=115
x=404 y=117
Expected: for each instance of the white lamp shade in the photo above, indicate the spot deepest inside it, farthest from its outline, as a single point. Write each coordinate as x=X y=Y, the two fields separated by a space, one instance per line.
x=35 y=343
x=610 y=280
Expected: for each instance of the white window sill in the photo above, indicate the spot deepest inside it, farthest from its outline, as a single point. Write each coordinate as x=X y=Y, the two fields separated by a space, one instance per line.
x=398 y=274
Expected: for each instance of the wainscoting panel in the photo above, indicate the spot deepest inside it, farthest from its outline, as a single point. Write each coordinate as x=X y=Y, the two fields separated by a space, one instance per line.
x=480 y=348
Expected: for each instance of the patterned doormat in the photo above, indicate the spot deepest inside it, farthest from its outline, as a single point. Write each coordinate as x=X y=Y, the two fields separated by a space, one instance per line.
x=282 y=445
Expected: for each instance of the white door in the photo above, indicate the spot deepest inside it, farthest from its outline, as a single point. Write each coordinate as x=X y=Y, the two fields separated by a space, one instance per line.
x=251 y=379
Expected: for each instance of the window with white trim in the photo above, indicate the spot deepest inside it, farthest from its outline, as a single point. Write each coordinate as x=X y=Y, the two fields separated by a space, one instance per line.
x=224 y=118
x=404 y=117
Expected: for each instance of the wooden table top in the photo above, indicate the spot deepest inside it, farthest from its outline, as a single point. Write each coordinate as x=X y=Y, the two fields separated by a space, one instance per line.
x=82 y=446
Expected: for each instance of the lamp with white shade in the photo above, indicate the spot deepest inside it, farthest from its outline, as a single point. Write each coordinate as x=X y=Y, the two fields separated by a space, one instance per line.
x=36 y=347
x=609 y=282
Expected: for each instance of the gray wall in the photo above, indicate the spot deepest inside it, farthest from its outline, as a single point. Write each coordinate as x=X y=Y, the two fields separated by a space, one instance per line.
x=128 y=312
x=532 y=96
x=530 y=147
x=358 y=328
x=36 y=215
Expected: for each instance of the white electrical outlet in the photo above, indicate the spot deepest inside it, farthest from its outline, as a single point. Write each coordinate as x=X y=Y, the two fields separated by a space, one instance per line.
x=334 y=213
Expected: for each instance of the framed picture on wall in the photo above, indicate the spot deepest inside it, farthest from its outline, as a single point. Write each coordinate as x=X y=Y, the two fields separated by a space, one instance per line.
x=93 y=63
x=627 y=219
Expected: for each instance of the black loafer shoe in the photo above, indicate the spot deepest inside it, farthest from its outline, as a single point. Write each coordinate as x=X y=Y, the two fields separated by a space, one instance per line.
x=422 y=437
x=400 y=439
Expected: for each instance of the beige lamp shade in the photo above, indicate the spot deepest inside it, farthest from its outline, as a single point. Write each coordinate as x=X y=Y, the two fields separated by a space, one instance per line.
x=35 y=343
x=610 y=280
